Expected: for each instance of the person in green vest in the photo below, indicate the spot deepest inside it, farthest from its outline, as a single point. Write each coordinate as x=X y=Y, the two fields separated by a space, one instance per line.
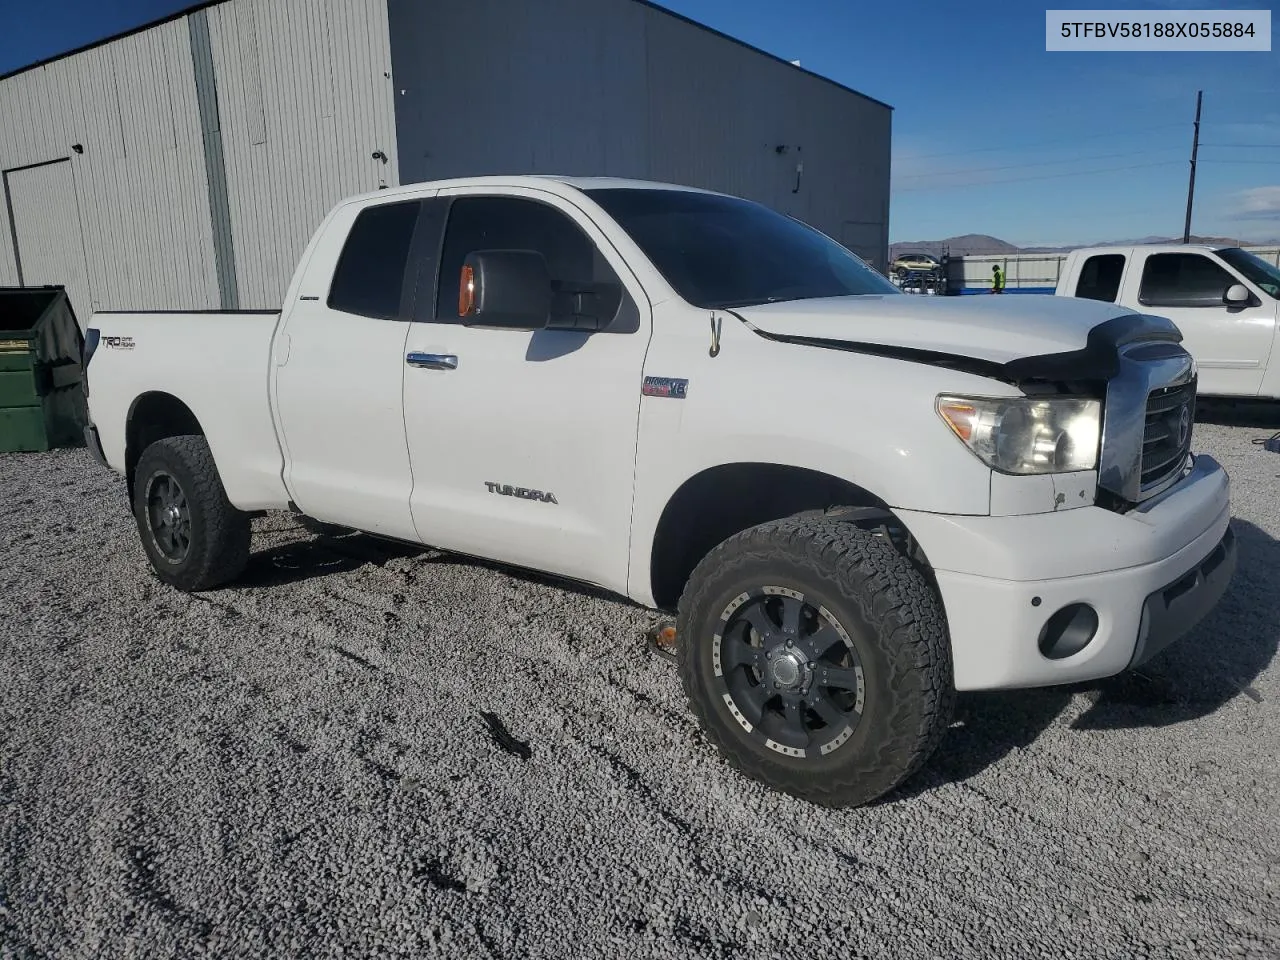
x=997 y=279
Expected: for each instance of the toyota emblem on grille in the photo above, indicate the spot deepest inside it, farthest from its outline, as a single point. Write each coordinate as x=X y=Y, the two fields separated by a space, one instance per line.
x=1184 y=426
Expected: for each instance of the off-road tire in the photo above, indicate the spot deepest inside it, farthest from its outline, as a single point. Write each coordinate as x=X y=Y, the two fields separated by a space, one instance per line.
x=219 y=533
x=893 y=617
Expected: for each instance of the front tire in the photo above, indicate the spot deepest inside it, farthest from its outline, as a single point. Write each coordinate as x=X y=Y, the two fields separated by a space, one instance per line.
x=193 y=536
x=816 y=658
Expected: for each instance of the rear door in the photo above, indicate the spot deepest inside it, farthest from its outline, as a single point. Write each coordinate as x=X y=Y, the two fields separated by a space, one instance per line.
x=523 y=444
x=1230 y=344
x=340 y=368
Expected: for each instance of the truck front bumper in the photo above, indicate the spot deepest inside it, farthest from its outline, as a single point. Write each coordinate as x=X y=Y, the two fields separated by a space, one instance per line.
x=1079 y=594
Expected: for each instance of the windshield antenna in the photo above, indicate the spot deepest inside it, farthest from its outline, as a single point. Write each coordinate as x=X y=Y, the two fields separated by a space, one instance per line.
x=715 y=334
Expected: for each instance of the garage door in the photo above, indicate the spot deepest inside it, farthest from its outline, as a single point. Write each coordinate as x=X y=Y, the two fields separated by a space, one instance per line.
x=46 y=228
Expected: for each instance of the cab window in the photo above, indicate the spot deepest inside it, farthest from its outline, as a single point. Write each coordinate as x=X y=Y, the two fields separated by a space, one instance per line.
x=1100 y=277
x=1183 y=280
x=369 y=278
x=515 y=223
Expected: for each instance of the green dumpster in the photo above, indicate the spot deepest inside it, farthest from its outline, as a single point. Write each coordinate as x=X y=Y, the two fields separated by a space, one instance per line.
x=42 y=403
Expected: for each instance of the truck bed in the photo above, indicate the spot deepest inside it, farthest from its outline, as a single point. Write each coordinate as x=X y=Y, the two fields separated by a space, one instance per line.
x=218 y=364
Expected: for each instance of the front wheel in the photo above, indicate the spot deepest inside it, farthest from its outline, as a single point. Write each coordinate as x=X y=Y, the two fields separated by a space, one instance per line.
x=816 y=658
x=193 y=536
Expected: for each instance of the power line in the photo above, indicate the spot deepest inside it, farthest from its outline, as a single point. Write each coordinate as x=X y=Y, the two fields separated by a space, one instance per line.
x=1245 y=146
x=1047 y=176
x=1039 y=143
x=1265 y=163
x=1019 y=166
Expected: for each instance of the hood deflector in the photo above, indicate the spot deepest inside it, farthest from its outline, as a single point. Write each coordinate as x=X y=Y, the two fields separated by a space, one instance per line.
x=1098 y=361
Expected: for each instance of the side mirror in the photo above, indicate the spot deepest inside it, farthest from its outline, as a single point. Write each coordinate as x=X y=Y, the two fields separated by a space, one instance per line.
x=505 y=288
x=1237 y=295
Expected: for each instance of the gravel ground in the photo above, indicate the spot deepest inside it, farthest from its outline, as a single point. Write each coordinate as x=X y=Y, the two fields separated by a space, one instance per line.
x=369 y=751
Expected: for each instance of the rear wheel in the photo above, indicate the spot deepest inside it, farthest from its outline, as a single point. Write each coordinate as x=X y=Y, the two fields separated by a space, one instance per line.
x=193 y=536
x=815 y=655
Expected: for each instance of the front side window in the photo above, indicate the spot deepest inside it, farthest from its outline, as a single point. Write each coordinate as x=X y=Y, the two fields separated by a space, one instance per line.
x=369 y=278
x=720 y=252
x=1183 y=280
x=1100 y=277
x=514 y=223
x=1255 y=269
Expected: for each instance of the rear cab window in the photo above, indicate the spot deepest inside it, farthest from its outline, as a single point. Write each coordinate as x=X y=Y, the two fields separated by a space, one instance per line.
x=369 y=280
x=1100 y=277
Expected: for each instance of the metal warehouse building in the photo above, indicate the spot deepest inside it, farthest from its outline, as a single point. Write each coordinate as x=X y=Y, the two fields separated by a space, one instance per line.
x=185 y=165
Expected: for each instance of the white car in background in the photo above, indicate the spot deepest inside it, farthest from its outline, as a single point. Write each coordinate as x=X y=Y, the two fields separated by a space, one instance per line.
x=1225 y=301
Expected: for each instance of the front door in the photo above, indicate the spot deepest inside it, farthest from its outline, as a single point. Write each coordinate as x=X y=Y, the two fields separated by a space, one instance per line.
x=523 y=443
x=1230 y=344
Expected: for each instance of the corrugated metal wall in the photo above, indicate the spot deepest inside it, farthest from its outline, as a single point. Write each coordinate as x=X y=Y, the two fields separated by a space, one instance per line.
x=46 y=221
x=214 y=143
x=140 y=181
x=305 y=100
x=618 y=88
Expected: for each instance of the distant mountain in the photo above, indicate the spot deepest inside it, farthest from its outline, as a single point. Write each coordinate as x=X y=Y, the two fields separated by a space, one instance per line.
x=981 y=245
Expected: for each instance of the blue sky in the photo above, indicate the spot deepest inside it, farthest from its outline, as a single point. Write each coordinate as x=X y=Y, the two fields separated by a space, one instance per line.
x=992 y=134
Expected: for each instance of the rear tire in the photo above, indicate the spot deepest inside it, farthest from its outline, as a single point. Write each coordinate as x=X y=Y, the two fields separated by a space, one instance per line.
x=815 y=656
x=193 y=536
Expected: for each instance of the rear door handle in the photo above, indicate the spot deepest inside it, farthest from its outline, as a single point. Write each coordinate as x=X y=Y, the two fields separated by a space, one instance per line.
x=432 y=361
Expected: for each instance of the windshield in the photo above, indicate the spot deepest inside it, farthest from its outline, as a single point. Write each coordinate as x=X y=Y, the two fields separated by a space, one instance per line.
x=719 y=251
x=1255 y=269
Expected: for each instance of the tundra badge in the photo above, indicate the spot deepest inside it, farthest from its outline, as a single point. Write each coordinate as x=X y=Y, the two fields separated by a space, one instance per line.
x=524 y=493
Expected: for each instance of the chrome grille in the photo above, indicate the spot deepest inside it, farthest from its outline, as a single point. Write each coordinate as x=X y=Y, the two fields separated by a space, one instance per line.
x=1166 y=439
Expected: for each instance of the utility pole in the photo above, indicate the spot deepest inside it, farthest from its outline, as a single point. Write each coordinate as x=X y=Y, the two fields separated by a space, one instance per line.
x=1191 y=187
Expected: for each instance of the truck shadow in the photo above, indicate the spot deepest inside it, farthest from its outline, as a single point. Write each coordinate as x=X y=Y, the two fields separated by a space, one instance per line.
x=1261 y=414
x=1215 y=663
x=320 y=556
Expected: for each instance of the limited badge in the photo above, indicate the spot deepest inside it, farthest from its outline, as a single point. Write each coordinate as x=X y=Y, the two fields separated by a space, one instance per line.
x=676 y=387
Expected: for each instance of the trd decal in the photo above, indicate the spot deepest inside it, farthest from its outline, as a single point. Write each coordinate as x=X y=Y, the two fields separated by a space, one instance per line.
x=524 y=493
x=118 y=343
x=675 y=387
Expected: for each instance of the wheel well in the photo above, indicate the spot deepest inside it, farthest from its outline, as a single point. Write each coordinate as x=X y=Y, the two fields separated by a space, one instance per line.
x=154 y=416
x=721 y=501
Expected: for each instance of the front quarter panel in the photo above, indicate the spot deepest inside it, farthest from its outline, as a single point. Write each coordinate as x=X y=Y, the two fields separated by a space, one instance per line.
x=868 y=420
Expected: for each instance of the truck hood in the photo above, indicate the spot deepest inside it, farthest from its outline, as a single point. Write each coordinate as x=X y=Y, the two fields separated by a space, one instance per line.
x=994 y=329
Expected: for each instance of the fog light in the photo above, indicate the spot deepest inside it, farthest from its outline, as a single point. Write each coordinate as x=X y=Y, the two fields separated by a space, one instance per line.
x=1068 y=631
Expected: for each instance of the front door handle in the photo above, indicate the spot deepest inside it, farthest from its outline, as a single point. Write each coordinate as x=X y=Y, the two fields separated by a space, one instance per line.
x=432 y=361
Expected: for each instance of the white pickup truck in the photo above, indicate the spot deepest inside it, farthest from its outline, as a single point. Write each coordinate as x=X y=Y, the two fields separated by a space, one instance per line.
x=1224 y=300
x=855 y=501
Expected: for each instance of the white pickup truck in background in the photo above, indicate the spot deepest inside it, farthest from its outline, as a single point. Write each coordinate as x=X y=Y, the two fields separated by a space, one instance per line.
x=1224 y=300
x=857 y=501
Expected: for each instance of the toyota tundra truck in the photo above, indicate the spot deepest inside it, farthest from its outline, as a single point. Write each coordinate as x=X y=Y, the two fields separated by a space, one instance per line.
x=853 y=502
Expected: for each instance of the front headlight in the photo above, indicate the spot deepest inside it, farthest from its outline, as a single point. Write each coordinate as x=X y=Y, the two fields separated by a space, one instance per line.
x=1027 y=435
